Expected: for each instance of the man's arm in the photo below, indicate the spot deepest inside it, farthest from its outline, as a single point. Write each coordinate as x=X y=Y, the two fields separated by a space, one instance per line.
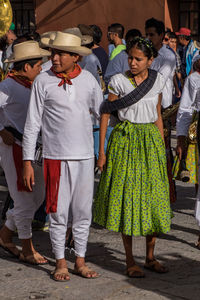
x=31 y=131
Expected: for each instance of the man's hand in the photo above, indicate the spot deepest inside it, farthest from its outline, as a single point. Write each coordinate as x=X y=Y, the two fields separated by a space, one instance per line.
x=28 y=175
x=101 y=161
x=181 y=148
x=7 y=137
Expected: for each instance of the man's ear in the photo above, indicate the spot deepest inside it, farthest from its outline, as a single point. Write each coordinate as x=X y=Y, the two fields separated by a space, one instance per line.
x=26 y=67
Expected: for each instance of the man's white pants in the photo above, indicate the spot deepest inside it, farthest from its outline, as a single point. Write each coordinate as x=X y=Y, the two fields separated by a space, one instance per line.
x=76 y=193
x=25 y=203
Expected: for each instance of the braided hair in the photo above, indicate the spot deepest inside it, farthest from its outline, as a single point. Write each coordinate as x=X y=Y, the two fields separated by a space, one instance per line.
x=144 y=45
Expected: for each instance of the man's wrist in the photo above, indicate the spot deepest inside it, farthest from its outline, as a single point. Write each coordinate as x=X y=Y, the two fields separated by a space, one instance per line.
x=27 y=163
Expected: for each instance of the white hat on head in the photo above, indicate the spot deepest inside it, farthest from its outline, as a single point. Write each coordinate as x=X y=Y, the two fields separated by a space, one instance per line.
x=27 y=50
x=66 y=42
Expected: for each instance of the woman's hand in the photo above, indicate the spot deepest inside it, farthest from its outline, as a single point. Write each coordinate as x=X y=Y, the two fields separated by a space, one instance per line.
x=101 y=163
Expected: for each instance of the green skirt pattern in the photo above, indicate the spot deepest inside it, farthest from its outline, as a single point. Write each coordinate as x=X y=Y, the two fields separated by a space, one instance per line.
x=133 y=193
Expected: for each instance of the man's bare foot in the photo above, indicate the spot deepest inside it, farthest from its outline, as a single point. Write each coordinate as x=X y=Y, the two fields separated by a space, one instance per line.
x=6 y=241
x=61 y=271
x=83 y=270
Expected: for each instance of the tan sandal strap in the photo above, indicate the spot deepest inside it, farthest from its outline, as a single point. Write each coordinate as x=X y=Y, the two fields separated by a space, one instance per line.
x=61 y=271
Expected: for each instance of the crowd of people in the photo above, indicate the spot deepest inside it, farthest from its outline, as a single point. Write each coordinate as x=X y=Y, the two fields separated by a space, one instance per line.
x=68 y=108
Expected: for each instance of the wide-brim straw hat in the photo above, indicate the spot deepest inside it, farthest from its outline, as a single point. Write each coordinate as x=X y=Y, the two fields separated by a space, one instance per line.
x=27 y=50
x=66 y=42
x=85 y=39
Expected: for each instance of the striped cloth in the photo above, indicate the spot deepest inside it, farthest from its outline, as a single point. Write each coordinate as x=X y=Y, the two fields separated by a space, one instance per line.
x=133 y=97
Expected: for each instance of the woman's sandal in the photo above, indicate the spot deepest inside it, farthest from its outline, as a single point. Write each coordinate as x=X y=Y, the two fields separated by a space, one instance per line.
x=155 y=266
x=84 y=271
x=10 y=248
x=63 y=272
x=135 y=272
x=33 y=259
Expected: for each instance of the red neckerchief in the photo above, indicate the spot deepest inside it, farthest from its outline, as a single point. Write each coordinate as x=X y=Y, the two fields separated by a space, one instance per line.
x=66 y=77
x=23 y=80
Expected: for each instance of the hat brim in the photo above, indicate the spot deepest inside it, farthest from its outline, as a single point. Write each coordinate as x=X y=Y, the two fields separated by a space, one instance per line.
x=80 y=50
x=12 y=59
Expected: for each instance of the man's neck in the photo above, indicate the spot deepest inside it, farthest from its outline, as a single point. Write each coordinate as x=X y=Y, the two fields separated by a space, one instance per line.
x=118 y=42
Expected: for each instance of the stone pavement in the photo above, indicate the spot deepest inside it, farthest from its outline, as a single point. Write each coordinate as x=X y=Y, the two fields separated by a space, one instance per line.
x=106 y=255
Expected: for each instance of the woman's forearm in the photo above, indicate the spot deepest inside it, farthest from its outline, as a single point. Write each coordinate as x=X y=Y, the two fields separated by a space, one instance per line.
x=103 y=129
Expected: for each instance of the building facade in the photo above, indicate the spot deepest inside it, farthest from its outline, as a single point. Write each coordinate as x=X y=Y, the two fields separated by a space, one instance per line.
x=47 y=15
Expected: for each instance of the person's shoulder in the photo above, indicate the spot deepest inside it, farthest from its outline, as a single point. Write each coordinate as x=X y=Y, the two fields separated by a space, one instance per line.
x=194 y=79
x=167 y=52
x=43 y=76
x=160 y=81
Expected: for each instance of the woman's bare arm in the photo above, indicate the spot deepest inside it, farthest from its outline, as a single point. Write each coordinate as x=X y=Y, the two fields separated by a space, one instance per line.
x=159 y=122
x=103 y=129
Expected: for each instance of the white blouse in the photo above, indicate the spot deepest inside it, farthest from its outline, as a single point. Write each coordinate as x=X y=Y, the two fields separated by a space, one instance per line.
x=190 y=101
x=14 y=101
x=145 y=110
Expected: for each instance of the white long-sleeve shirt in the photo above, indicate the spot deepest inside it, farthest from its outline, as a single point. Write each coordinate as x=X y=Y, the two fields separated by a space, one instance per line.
x=64 y=116
x=165 y=63
x=14 y=101
x=190 y=101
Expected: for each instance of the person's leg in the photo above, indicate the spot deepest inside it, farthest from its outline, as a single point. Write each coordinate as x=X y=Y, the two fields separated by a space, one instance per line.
x=151 y=263
x=132 y=269
x=58 y=223
x=25 y=205
x=82 y=196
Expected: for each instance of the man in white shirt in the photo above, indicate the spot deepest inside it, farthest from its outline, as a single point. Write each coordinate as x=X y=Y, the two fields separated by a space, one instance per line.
x=14 y=99
x=61 y=101
x=164 y=63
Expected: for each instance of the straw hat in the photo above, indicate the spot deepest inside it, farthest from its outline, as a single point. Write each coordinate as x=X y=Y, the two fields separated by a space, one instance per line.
x=27 y=50
x=44 y=38
x=66 y=42
x=85 y=39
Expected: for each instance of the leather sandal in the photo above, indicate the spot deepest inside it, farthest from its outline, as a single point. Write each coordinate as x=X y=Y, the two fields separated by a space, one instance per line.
x=33 y=259
x=135 y=272
x=155 y=266
x=62 y=272
x=84 y=271
x=10 y=248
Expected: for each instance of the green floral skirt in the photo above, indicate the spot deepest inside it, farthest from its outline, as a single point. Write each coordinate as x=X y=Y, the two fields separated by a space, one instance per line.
x=133 y=193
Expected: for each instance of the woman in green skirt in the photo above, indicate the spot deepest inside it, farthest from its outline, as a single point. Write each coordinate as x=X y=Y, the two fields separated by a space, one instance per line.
x=133 y=193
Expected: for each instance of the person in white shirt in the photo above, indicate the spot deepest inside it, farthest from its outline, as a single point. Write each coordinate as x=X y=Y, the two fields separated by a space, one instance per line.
x=190 y=102
x=60 y=103
x=14 y=100
x=164 y=63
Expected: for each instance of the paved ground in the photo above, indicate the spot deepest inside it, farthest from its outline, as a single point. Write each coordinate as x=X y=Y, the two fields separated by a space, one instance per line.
x=106 y=255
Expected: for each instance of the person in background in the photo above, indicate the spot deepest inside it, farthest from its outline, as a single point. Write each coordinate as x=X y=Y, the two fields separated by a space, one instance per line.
x=10 y=37
x=119 y=64
x=189 y=104
x=97 y=49
x=115 y=35
x=187 y=50
x=164 y=63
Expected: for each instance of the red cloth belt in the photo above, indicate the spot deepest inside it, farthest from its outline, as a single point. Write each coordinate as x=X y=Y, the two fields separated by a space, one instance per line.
x=52 y=171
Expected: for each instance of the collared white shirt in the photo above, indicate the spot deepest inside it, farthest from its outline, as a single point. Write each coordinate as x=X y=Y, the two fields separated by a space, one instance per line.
x=14 y=101
x=190 y=101
x=64 y=116
x=165 y=63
